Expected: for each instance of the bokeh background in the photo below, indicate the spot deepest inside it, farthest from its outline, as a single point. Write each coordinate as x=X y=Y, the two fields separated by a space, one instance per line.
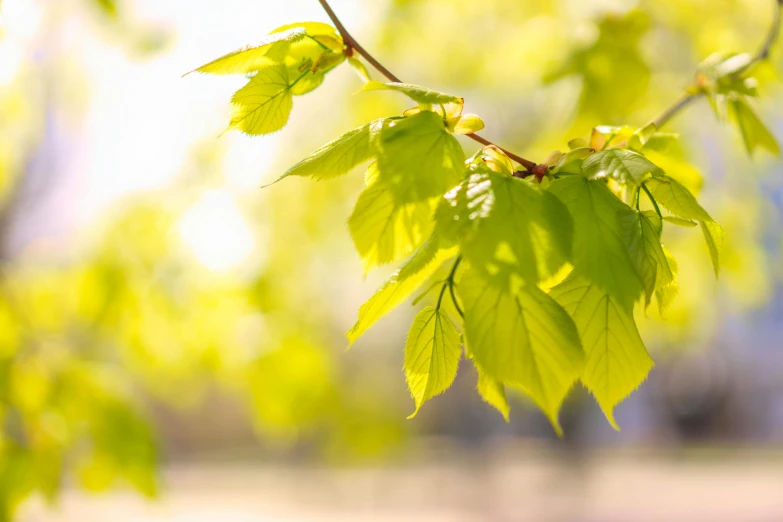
x=172 y=336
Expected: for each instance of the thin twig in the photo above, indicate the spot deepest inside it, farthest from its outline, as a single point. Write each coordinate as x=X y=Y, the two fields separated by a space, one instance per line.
x=351 y=44
x=763 y=53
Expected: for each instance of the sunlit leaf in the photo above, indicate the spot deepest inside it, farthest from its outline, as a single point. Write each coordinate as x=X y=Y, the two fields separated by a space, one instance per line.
x=626 y=166
x=398 y=288
x=417 y=93
x=253 y=57
x=754 y=133
x=493 y=393
x=506 y=225
x=384 y=229
x=599 y=250
x=686 y=223
x=617 y=361
x=523 y=338
x=418 y=158
x=264 y=104
x=338 y=157
x=714 y=237
x=642 y=236
x=360 y=69
x=432 y=355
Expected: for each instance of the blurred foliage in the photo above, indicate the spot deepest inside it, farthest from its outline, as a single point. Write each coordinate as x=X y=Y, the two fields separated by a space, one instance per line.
x=93 y=337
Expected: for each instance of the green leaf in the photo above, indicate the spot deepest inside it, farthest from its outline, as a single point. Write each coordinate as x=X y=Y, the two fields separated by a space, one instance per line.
x=617 y=361
x=253 y=57
x=418 y=94
x=686 y=223
x=360 y=69
x=676 y=198
x=384 y=229
x=679 y=201
x=572 y=161
x=506 y=226
x=642 y=237
x=522 y=338
x=641 y=136
x=665 y=294
x=311 y=28
x=432 y=355
x=466 y=124
x=338 y=157
x=264 y=104
x=754 y=133
x=599 y=250
x=399 y=287
x=714 y=236
x=493 y=393
x=418 y=158
x=626 y=166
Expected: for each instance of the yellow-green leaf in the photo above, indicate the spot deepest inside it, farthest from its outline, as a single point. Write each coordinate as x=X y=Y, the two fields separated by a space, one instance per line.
x=399 y=287
x=522 y=337
x=467 y=124
x=506 y=226
x=253 y=57
x=599 y=250
x=338 y=157
x=642 y=238
x=360 y=69
x=432 y=354
x=686 y=223
x=714 y=236
x=418 y=158
x=754 y=132
x=617 y=361
x=384 y=229
x=264 y=104
x=417 y=93
x=626 y=166
x=493 y=393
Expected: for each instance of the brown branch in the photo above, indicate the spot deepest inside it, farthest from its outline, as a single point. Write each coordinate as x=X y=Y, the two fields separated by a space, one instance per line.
x=352 y=45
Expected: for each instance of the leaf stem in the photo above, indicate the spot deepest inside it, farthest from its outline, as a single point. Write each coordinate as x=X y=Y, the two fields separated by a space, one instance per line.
x=449 y=283
x=652 y=200
x=351 y=43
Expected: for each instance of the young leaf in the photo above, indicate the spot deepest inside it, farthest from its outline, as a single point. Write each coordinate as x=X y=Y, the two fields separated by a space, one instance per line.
x=642 y=238
x=493 y=393
x=264 y=104
x=679 y=201
x=686 y=223
x=465 y=124
x=506 y=225
x=754 y=132
x=384 y=229
x=626 y=166
x=432 y=355
x=714 y=236
x=399 y=287
x=360 y=69
x=617 y=361
x=314 y=29
x=418 y=158
x=676 y=198
x=338 y=157
x=599 y=250
x=665 y=294
x=522 y=338
x=253 y=57
x=418 y=94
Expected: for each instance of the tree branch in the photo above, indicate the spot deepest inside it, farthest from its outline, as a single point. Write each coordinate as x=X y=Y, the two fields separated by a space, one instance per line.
x=352 y=45
x=763 y=53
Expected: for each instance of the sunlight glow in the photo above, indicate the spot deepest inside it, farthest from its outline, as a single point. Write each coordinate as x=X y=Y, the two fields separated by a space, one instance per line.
x=216 y=231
